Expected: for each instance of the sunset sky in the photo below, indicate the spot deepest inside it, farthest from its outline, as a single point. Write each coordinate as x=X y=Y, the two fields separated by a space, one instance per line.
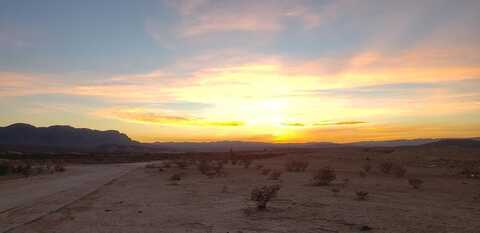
x=274 y=71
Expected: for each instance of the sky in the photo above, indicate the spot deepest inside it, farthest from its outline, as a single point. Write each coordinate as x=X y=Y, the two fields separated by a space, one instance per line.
x=264 y=70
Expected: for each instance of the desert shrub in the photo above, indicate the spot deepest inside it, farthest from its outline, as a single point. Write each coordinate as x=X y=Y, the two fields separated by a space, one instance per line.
x=176 y=177
x=203 y=167
x=386 y=167
x=415 y=182
x=150 y=165
x=296 y=165
x=266 y=171
x=211 y=169
x=275 y=175
x=25 y=169
x=362 y=174
x=225 y=189
x=5 y=168
x=262 y=195
x=324 y=176
x=180 y=163
x=167 y=164
x=470 y=173
x=367 y=167
x=246 y=163
x=59 y=168
x=399 y=171
x=335 y=191
x=361 y=195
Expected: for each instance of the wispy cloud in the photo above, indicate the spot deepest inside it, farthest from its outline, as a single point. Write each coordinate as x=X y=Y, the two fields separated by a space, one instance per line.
x=340 y=123
x=295 y=124
x=140 y=115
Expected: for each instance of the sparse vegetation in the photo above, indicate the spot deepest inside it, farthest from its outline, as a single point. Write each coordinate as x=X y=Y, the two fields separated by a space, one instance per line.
x=296 y=166
x=262 y=195
x=324 y=176
x=415 y=182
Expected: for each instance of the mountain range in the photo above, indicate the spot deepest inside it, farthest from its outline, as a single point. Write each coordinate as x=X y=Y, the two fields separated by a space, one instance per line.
x=25 y=137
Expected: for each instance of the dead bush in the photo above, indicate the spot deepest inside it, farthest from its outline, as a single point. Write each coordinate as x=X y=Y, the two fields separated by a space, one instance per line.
x=415 y=182
x=275 y=175
x=324 y=176
x=361 y=195
x=262 y=195
x=296 y=166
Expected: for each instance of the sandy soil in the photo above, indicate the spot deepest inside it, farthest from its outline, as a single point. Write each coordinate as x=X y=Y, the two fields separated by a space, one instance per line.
x=144 y=200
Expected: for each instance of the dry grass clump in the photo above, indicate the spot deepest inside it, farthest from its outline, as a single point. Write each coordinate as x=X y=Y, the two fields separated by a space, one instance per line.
x=324 y=176
x=361 y=195
x=275 y=175
x=296 y=165
x=415 y=182
x=262 y=195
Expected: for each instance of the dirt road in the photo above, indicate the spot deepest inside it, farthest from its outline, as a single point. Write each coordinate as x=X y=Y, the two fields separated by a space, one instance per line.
x=25 y=200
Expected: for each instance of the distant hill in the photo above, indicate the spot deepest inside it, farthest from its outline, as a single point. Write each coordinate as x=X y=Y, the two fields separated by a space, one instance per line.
x=456 y=142
x=390 y=143
x=59 y=136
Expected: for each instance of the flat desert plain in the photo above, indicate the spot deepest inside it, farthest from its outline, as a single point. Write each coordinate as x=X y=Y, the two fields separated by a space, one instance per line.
x=141 y=197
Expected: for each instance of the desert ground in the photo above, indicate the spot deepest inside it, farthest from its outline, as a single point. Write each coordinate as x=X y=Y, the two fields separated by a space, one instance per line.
x=141 y=197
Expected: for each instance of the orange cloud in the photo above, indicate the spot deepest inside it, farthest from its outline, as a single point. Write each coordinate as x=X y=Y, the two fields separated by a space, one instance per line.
x=139 y=115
